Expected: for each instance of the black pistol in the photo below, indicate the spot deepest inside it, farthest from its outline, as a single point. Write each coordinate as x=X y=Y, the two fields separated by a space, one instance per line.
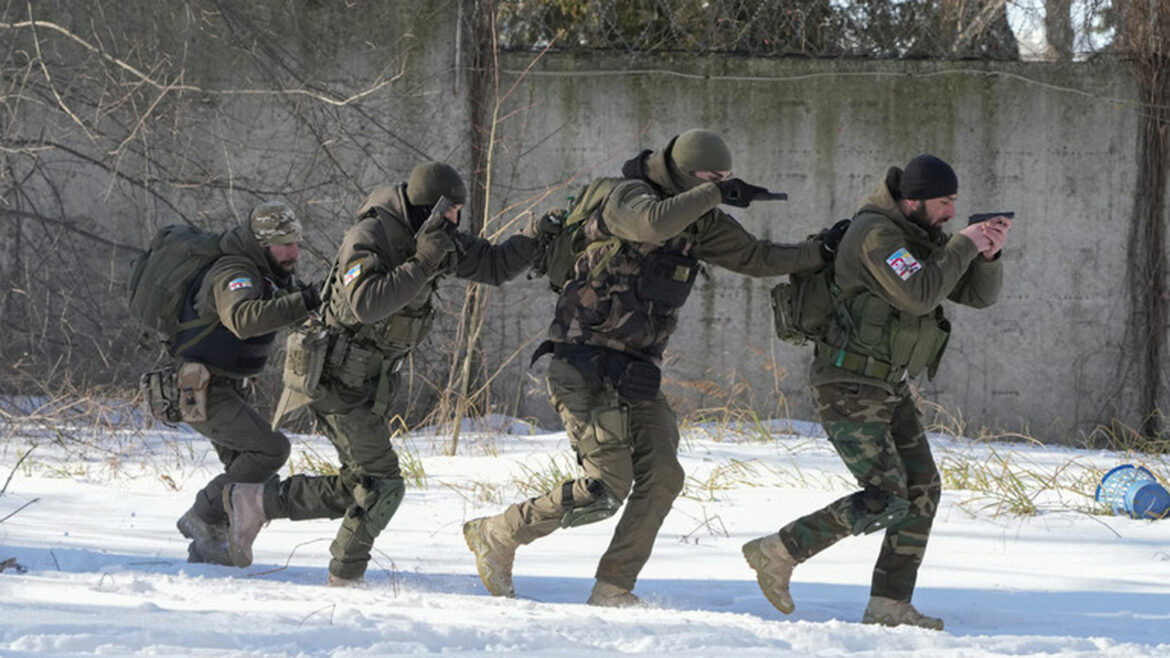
x=984 y=216
x=770 y=196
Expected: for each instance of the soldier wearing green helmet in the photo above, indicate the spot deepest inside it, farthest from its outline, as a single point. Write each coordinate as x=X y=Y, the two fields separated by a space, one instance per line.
x=378 y=305
x=647 y=232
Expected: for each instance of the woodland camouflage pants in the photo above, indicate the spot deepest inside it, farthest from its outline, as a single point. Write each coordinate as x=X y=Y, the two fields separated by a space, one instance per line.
x=881 y=441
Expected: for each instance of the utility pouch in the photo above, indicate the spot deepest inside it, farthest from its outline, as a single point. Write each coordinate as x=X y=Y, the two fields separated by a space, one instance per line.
x=160 y=394
x=307 y=348
x=803 y=307
x=639 y=381
x=402 y=332
x=193 y=379
x=666 y=279
x=356 y=365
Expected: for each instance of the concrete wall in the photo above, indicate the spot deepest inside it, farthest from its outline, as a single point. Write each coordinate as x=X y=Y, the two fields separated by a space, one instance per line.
x=1048 y=141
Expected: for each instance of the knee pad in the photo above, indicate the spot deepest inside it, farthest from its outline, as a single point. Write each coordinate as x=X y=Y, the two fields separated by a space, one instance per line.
x=378 y=500
x=877 y=509
x=600 y=506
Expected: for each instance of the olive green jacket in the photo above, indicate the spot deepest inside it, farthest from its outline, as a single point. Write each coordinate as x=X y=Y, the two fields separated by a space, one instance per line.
x=655 y=215
x=376 y=274
x=638 y=212
x=244 y=294
x=908 y=267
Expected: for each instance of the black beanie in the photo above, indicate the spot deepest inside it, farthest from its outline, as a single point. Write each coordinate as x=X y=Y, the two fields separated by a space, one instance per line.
x=928 y=177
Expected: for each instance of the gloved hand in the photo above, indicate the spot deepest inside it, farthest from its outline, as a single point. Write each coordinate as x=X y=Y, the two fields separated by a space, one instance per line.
x=830 y=238
x=738 y=193
x=311 y=293
x=549 y=223
x=434 y=241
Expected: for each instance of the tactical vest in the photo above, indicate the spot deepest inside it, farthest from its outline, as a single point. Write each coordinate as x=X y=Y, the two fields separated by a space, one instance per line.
x=873 y=338
x=213 y=345
x=626 y=295
x=364 y=354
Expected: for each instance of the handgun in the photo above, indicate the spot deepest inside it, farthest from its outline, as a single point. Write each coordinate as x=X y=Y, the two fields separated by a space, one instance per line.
x=984 y=216
x=770 y=196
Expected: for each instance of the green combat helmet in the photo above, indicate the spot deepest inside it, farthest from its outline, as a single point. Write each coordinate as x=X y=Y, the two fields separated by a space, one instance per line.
x=274 y=222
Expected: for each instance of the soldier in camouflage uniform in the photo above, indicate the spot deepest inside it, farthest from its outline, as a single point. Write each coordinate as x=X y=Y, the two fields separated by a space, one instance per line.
x=612 y=322
x=894 y=267
x=378 y=306
x=230 y=320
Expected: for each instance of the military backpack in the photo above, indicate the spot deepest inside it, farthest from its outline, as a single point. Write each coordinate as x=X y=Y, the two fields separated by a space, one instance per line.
x=560 y=250
x=803 y=308
x=161 y=278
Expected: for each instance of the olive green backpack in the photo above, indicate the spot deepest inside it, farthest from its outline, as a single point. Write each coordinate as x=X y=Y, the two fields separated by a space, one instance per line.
x=803 y=307
x=559 y=252
x=160 y=279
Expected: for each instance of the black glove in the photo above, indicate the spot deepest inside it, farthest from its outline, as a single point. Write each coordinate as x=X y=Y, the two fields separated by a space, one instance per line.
x=737 y=193
x=311 y=293
x=830 y=238
x=548 y=224
x=435 y=238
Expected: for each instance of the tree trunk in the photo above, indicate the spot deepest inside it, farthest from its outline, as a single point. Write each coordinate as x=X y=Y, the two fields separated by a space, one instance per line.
x=1058 y=29
x=1145 y=39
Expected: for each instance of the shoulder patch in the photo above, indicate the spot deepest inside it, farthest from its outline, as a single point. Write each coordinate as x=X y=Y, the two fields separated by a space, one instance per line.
x=903 y=263
x=352 y=274
x=239 y=283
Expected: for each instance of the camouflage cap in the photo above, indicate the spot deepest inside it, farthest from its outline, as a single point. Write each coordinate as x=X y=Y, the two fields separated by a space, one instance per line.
x=701 y=150
x=431 y=180
x=274 y=222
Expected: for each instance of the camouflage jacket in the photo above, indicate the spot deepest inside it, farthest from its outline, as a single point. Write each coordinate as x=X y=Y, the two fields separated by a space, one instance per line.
x=645 y=243
x=894 y=275
x=245 y=300
x=378 y=292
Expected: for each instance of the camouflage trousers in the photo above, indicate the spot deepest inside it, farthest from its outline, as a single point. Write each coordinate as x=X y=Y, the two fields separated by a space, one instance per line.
x=881 y=441
x=366 y=491
x=631 y=446
x=248 y=448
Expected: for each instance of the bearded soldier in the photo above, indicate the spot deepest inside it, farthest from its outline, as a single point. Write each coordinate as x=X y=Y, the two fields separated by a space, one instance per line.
x=228 y=325
x=647 y=236
x=378 y=306
x=894 y=268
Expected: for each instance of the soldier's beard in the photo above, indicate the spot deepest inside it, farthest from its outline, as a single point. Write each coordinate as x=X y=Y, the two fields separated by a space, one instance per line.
x=287 y=267
x=919 y=216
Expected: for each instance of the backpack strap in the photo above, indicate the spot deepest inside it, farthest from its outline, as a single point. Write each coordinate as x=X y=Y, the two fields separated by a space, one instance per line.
x=192 y=292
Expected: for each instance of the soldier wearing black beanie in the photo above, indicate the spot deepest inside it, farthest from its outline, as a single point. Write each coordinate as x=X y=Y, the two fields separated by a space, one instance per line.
x=928 y=177
x=899 y=267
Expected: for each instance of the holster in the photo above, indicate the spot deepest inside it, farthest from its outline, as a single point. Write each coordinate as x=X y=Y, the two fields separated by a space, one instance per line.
x=633 y=378
x=160 y=394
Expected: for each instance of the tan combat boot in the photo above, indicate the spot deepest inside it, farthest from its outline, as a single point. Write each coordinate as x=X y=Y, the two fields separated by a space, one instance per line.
x=494 y=554
x=611 y=596
x=891 y=612
x=338 y=581
x=773 y=565
x=244 y=504
x=208 y=540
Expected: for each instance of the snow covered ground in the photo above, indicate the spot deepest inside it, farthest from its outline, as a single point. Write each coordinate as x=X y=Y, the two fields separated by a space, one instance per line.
x=91 y=514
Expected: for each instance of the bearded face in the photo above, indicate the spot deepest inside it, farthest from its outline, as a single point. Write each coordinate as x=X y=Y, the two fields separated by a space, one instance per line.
x=284 y=257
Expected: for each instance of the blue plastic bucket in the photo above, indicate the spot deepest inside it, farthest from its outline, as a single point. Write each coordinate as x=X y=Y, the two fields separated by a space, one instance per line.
x=1147 y=500
x=1135 y=492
